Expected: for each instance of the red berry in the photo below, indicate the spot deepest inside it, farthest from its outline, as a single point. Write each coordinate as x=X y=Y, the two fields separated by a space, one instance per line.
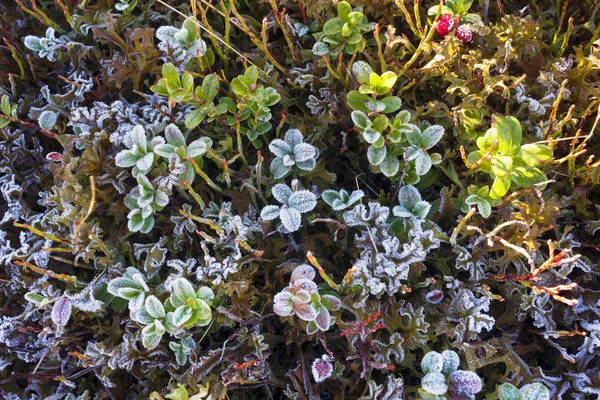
x=464 y=33
x=445 y=25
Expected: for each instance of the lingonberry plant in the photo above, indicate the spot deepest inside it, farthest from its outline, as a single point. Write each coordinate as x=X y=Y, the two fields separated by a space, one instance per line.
x=360 y=199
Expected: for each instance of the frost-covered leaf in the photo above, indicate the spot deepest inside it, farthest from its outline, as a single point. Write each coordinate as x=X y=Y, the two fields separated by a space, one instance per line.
x=47 y=119
x=278 y=168
x=269 y=213
x=361 y=120
x=61 y=311
x=320 y=49
x=329 y=196
x=290 y=218
x=376 y=155
x=306 y=313
x=182 y=288
x=303 y=201
x=181 y=315
x=303 y=271
x=390 y=165
x=423 y=163
x=431 y=136
x=280 y=148
x=198 y=147
x=304 y=152
x=126 y=159
x=281 y=193
x=321 y=369
x=154 y=307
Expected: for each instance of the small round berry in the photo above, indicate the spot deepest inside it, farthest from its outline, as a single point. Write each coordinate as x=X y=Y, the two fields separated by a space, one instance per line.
x=445 y=25
x=434 y=383
x=467 y=382
x=451 y=362
x=432 y=362
x=464 y=33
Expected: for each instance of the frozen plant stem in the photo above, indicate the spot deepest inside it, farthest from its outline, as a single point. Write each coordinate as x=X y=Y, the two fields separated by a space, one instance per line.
x=313 y=261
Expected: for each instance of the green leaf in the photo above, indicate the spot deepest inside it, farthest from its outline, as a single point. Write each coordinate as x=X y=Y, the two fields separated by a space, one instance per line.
x=34 y=297
x=375 y=81
x=252 y=74
x=174 y=136
x=354 y=38
x=375 y=105
x=433 y=11
x=535 y=154
x=462 y=6
x=414 y=137
x=423 y=163
x=47 y=119
x=269 y=213
x=182 y=288
x=302 y=200
x=171 y=76
x=388 y=80
x=356 y=101
x=485 y=142
x=320 y=49
x=526 y=176
x=362 y=71
x=390 y=165
x=391 y=103
x=154 y=307
x=371 y=136
x=348 y=31
x=361 y=120
x=202 y=309
x=240 y=86
x=190 y=26
x=484 y=207
x=355 y=17
x=431 y=136
x=187 y=81
x=206 y=294
x=194 y=118
x=333 y=26
x=5 y=105
x=210 y=87
x=344 y=9
x=145 y=183
x=483 y=192
x=3 y=122
x=509 y=134
x=500 y=187
x=381 y=123
x=376 y=155
x=474 y=19
x=126 y=159
x=502 y=166
x=161 y=88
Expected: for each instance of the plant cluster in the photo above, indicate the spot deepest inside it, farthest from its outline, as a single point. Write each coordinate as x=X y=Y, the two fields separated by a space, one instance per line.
x=234 y=199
